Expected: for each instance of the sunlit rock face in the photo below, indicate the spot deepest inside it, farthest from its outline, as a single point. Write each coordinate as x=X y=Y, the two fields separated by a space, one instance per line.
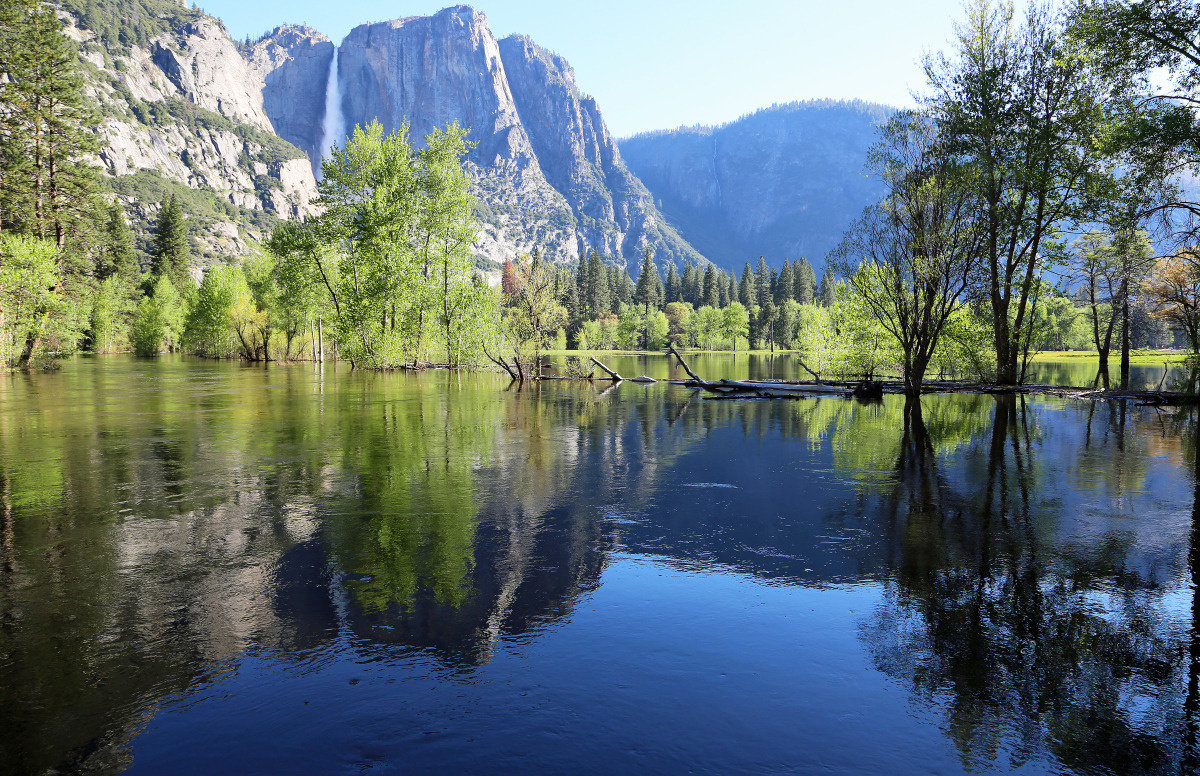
x=292 y=63
x=185 y=109
x=545 y=169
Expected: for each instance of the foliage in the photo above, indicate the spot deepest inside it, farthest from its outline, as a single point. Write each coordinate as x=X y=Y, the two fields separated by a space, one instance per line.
x=159 y=321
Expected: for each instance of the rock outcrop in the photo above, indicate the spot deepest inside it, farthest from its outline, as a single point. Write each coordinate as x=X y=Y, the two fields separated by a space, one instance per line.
x=782 y=182
x=292 y=64
x=183 y=113
x=580 y=159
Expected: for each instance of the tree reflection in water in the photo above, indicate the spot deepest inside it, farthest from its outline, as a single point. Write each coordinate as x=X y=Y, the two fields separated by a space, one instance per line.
x=1031 y=652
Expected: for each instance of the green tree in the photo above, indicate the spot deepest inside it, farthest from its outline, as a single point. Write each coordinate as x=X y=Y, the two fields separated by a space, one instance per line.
x=805 y=281
x=735 y=323
x=911 y=257
x=29 y=271
x=649 y=291
x=710 y=296
x=170 y=256
x=1024 y=115
x=674 y=286
x=747 y=293
x=116 y=255
x=159 y=320
x=828 y=289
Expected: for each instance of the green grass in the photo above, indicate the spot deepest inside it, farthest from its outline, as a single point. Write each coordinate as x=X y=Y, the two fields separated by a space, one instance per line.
x=662 y=352
x=1114 y=356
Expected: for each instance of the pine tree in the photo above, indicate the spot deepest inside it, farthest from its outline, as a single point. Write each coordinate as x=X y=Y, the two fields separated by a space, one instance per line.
x=724 y=288
x=746 y=293
x=674 y=287
x=688 y=283
x=58 y=136
x=762 y=281
x=598 y=299
x=649 y=291
x=785 y=285
x=767 y=323
x=828 y=288
x=16 y=163
x=710 y=295
x=47 y=177
x=581 y=286
x=573 y=302
x=117 y=255
x=805 y=282
x=171 y=244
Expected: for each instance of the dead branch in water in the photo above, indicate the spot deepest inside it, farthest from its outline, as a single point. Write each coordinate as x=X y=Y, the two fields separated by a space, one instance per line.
x=682 y=363
x=615 y=377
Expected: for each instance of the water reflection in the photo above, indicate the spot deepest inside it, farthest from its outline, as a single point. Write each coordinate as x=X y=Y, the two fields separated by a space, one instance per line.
x=1031 y=642
x=1028 y=564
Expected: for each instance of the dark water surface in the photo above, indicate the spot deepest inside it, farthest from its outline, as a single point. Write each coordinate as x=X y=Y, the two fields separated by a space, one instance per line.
x=209 y=568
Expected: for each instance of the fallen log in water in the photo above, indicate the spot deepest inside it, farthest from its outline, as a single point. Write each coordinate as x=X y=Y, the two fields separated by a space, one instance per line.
x=695 y=377
x=615 y=377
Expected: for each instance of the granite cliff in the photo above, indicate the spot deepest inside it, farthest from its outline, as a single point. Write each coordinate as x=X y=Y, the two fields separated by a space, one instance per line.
x=182 y=112
x=545 y=169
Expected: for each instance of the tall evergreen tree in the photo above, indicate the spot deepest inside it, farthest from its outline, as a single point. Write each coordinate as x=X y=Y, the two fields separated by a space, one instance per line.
x=805 y=282
x=581 y=286
x=724 y=288
x=598 y=300
x=828 y=288
x=170 y=256
x=649 y=291
x=710 y=295
x=785 y=285
x=762 y=281
x=47 y=176
x=621 y=286
x=747 y=294
x=688 y=283
x=572 y=300
x=117 y=255
x=674 y=287
x=16 y=163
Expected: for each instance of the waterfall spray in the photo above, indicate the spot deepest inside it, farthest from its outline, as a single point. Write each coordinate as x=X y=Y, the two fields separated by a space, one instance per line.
x=334 y=130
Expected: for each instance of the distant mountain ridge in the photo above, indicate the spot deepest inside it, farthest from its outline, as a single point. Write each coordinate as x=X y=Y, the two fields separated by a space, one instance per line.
x=781 y=182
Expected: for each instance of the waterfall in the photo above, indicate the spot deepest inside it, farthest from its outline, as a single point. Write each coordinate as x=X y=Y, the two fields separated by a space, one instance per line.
x=334 y=131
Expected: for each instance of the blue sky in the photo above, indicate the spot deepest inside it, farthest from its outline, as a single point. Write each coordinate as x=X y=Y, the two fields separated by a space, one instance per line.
x=657 y=64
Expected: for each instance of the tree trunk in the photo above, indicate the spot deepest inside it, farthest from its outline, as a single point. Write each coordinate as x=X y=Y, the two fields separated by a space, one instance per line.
x=1125 y=338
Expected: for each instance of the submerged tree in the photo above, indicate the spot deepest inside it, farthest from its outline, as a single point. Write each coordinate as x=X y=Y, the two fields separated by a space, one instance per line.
x=391 y=248
x=1023 y=115
x=910 y=257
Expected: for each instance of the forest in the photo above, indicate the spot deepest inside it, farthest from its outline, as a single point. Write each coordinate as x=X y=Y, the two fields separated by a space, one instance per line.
x=1033 y=201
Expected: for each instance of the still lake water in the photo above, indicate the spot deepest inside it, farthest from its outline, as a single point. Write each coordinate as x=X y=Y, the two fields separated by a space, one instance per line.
x=210 y=568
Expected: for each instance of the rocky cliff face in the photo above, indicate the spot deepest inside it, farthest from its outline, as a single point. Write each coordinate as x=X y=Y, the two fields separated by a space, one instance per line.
x=614 y=213
x=545 y=170
x=183 y=113
x=292 y=64
x=782 y=182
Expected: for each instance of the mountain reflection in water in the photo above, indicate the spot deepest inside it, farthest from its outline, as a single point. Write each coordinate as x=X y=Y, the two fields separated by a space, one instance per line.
x=207 y=566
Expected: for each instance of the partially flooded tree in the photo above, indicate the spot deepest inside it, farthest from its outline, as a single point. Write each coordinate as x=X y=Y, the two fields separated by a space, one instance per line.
x=910 y=257
x=1024 y=115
